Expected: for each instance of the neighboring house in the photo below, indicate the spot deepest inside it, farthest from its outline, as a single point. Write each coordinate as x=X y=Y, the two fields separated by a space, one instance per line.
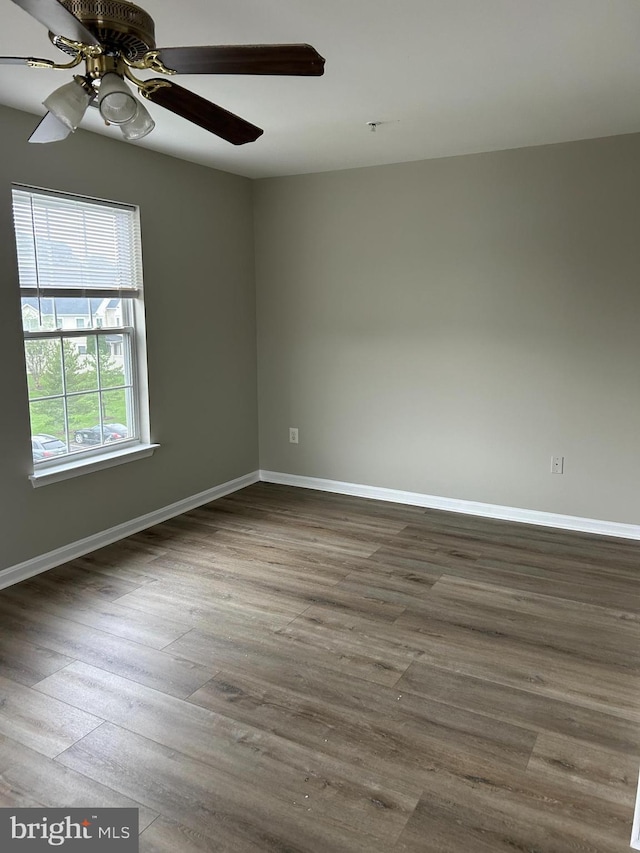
x=76 y=314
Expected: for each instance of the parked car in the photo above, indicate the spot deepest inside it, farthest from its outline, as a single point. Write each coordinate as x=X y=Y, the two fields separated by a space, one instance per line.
x=45 y=446
x=91 y=435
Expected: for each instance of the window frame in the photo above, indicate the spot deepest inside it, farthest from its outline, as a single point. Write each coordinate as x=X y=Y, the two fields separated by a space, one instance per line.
x=133 y=338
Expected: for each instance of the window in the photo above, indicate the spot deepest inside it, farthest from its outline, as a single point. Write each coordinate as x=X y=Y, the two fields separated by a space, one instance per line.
x=80 y=271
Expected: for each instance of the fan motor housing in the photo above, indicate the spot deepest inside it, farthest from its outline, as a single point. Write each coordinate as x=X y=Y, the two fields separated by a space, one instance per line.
x=122 y=27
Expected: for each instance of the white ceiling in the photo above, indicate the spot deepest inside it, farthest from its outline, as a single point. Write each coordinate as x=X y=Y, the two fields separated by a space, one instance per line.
x=443 y=76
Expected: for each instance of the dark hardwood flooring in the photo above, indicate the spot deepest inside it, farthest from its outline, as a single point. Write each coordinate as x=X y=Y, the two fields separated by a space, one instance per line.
x=286 y=670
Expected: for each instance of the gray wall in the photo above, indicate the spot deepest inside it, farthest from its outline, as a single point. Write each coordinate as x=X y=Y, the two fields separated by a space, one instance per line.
x=446 y=326
x=197 y=233
x=441 y=327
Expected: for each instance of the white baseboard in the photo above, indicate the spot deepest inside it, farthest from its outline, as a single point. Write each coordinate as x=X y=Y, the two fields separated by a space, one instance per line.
x=635 y=832
x=29 y=568
x=506 y=513
x=22 y=571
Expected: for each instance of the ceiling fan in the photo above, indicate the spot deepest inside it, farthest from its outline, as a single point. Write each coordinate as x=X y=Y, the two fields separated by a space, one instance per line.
x=115 y=38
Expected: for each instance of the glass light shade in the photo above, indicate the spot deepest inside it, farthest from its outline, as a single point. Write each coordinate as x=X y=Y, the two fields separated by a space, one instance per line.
x=68 y=104
x=116 y=103
x=139 y=126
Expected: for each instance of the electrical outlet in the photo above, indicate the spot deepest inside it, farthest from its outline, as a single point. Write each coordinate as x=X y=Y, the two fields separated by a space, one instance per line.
x=293 y=435
x=557 y=464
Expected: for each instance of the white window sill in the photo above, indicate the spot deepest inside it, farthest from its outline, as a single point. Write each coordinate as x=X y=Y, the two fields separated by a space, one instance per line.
x=76 y=467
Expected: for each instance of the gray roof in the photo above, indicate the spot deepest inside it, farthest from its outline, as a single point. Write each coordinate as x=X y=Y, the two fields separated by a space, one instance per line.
x=68 y=306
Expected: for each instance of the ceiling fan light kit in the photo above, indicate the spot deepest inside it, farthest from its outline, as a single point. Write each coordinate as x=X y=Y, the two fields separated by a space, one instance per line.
x=140 y=125
x=69 y=103
x=115 y=37
x=115 y=101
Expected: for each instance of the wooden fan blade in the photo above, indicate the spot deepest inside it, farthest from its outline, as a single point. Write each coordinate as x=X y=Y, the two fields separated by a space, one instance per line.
x=57 y=19
x=293 y=59
x=24 y=60
x=211 y=117
x=50 y=129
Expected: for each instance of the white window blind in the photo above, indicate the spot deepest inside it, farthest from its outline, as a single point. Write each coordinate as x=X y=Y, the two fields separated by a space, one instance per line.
x=76 y=244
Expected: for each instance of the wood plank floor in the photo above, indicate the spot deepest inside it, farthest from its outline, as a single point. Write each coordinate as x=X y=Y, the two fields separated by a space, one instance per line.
x=287 y=671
